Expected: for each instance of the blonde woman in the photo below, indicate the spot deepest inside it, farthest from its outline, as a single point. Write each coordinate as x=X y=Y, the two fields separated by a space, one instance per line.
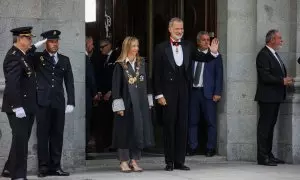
x=131 y=103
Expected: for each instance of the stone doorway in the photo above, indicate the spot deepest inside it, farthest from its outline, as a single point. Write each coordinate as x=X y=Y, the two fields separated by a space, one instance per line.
x=118 y=18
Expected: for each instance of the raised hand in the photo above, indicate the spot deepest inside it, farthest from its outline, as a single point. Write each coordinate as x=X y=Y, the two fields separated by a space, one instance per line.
x=214 y=47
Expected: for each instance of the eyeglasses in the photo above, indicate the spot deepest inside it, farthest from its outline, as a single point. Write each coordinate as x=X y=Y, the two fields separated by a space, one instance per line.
x=103 y=46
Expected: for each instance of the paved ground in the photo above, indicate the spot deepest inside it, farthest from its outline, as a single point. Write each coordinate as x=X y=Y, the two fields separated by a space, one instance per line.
x=202 y=169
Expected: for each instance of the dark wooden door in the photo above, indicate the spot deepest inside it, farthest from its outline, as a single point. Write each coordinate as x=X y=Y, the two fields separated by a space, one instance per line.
x=199 y=15
x=129 y=17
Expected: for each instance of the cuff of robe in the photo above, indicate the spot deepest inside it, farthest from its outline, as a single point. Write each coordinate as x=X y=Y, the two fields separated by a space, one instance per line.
x=159 y=96
x=150 y=100
x=118 y=105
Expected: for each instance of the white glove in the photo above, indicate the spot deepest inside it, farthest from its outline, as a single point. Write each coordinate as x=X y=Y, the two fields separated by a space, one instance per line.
x=39 y=43
x=69 y=109
x=20 y=113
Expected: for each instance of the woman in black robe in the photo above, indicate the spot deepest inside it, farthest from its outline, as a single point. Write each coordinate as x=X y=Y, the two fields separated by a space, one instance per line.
x=132 y=101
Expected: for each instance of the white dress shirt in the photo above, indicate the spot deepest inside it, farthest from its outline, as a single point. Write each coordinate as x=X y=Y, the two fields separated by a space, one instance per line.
x=273 y=52
x=178 y=56
x=200 y=84
x=132 y=63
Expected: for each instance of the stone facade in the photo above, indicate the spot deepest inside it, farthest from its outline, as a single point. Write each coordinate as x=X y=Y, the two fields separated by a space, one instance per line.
x=242 y=25
x=68 y=17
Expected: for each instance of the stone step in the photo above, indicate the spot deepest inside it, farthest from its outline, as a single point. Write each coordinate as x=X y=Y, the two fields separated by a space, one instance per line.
x=109 y=159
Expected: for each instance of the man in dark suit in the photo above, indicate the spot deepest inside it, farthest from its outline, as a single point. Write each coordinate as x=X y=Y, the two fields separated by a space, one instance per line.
x=19 y=101
x=172 y=74
x=52 y=69
x=271 y=91
x=107 y=58
x=205 y=93
x=90 y=86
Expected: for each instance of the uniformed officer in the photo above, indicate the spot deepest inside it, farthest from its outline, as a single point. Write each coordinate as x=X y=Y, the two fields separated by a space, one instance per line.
x=52 y=70
x=19 y=101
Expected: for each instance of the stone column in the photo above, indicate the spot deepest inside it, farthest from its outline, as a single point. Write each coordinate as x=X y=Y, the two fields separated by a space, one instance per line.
x=222 y=15
x=295 y=155
x=238 y=34
x=281 y=15
x=68 y=16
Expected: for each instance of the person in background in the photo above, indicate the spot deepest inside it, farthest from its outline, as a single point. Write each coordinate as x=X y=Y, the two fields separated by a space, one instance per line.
x=107 y=64
x=90 y=88
x=272 y=80
x=205 y=93
x=132 y=100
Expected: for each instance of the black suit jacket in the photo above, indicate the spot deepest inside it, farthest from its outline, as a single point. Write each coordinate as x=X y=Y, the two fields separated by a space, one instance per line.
x=20 y=87
x=106 y=73
x=164 y=65
x=50 y=78
x=270 y=87
x=90 y=82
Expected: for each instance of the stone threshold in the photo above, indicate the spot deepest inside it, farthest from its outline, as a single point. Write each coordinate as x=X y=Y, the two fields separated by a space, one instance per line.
x=109 y=159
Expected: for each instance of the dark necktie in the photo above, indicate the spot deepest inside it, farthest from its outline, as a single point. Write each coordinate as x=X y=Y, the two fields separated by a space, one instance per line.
x=197 y=73
x=52 y=59
x=105 y=58
x=280 y=62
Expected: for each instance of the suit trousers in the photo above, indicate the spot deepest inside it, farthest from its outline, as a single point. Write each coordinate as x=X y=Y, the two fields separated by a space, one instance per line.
x=50 y=131
x=16 y=163
x=88 y=116
x=175 y=121
x=103 y=126
x=128 y=154
x=265 y=129
x=200 y=104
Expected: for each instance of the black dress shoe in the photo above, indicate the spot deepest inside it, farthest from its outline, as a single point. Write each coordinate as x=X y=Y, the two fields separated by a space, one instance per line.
x=266 y=162
x=169 y=167
x=276 y=160
x=59 y=172
x=210 y=153
x=181 y=167
x=191 y=152
x=42 y=174
x=5 y=173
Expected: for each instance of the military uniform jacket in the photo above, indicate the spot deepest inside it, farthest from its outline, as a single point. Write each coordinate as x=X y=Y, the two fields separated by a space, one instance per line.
x=20 y=82
x=50 y=77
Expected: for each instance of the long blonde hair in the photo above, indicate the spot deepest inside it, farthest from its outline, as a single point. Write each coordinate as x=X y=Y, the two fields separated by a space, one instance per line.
x=126 y=46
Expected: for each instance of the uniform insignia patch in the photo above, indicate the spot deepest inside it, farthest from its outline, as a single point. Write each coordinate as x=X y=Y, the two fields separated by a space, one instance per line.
x=142 y=78
x=42 y=60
